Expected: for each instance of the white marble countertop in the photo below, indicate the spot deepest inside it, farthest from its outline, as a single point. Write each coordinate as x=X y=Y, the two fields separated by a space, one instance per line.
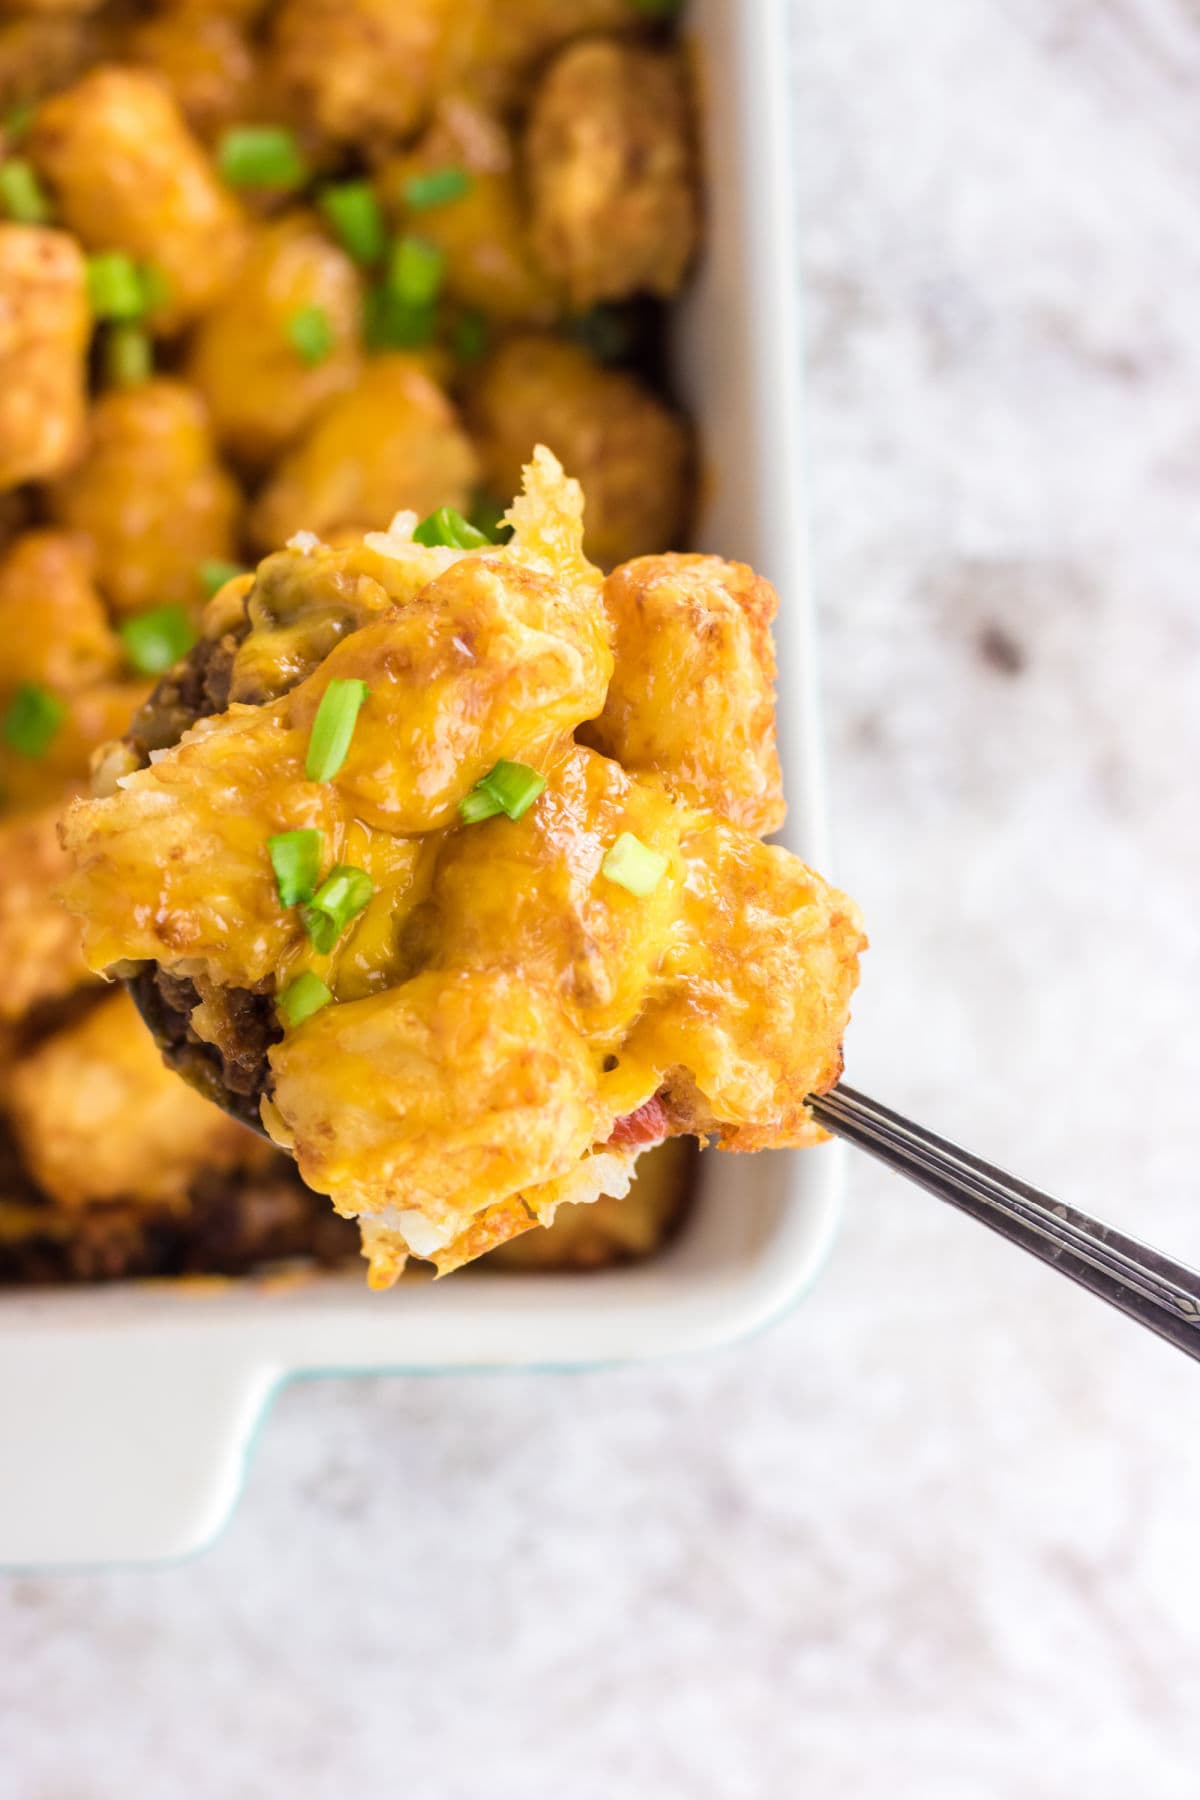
x=936 y=1534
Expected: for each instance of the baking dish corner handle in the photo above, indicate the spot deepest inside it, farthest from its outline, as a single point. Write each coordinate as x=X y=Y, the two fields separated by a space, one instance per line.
x=116 y=1450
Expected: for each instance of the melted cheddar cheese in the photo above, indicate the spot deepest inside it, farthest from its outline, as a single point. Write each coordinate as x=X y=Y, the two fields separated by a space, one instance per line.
x=502 y=1006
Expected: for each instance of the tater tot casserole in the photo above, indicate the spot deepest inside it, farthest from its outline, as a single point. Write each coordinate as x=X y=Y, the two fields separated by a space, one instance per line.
x=270 y=266
x=272 y=274
x=455 y=879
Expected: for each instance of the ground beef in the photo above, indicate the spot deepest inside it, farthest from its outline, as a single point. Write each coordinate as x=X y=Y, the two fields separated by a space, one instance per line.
x=231 y=1225
x=231 y=1072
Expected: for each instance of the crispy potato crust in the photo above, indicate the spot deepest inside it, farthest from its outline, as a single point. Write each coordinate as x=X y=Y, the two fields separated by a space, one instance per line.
x=149 y=495
x=693 y=695
x=392 y=441
x=127 y=174
x=71 y=1099
x=260 y=392
x=631 y=454
x=44 y=325
x=612 y=183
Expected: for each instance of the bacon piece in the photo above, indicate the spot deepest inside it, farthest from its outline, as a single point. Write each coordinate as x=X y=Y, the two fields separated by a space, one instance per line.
x=650 y=1124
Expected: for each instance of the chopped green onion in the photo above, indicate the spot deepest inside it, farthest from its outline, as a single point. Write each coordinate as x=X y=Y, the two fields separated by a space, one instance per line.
x=435 y=187
x=214 y=574
x=340 y=898
x=114 y=285
x=487 y=516
x=478 y=805
x=128 y=356
x=32 y=719
x=353 y=211
x=657 y=9
x=415 y=271
x=261 y=156
x=515 y=785
x=634 y=866
x=156 y=640
x=333 y=728
x=310 y=335
x=510 y=787
x=470 y=337
x=18 y=119
x=296 y=860
x=445 y=526
x=305 y=996
x=156 y=289
x=22 y=195
x=390 y=323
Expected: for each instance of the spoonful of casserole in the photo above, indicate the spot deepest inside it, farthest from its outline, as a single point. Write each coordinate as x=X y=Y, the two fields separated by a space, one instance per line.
x=442 y=861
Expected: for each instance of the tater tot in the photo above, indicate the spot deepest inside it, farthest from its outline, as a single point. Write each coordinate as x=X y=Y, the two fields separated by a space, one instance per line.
x=612 y=187
x=44 y=329
x=91 y=716
x=495 y=48
x=692 y=695
x=53 y=627
x=360 y=70
x=629 y=451
x=393 y=441
x=775 y=950
x=150 y=494
x=127 y=174
x=483 y=233
x=40 y=949
x=75 y=1099
x=260 y=390
x=206 y=59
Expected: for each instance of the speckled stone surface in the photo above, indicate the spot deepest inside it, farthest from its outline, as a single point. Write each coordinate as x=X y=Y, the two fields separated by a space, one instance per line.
x=935 y=1536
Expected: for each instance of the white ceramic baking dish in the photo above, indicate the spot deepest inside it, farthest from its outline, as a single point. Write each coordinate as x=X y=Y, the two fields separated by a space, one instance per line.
x=126 y=1413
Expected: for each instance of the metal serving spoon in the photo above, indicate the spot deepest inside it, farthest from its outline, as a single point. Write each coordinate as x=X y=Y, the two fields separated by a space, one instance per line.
x=1159 y=1293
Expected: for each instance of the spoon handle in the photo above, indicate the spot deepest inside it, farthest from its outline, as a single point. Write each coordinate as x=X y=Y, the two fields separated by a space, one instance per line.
x=1158 y=1292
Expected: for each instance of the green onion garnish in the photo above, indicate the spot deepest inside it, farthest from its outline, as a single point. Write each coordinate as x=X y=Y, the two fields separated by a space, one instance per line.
x=310 y=334
x=657 y=9
x=511 y=787
x=353 y=211
x=156 y=289
x=128 y=356
x=340 y=898
x=18 y=119
x=305 y=996
x=447 y=527
x=487 y=516
x=634 y=866
x=261 y=156
x=114 y=284
x=470 y=337
x=32 y=719
x=415 y=271
x=22 y=195
x=156 y=640
x=333 y=728
x=478 y=805
x=214 y=574
x=390 y=323
x=296 y=860
x=436 y=187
